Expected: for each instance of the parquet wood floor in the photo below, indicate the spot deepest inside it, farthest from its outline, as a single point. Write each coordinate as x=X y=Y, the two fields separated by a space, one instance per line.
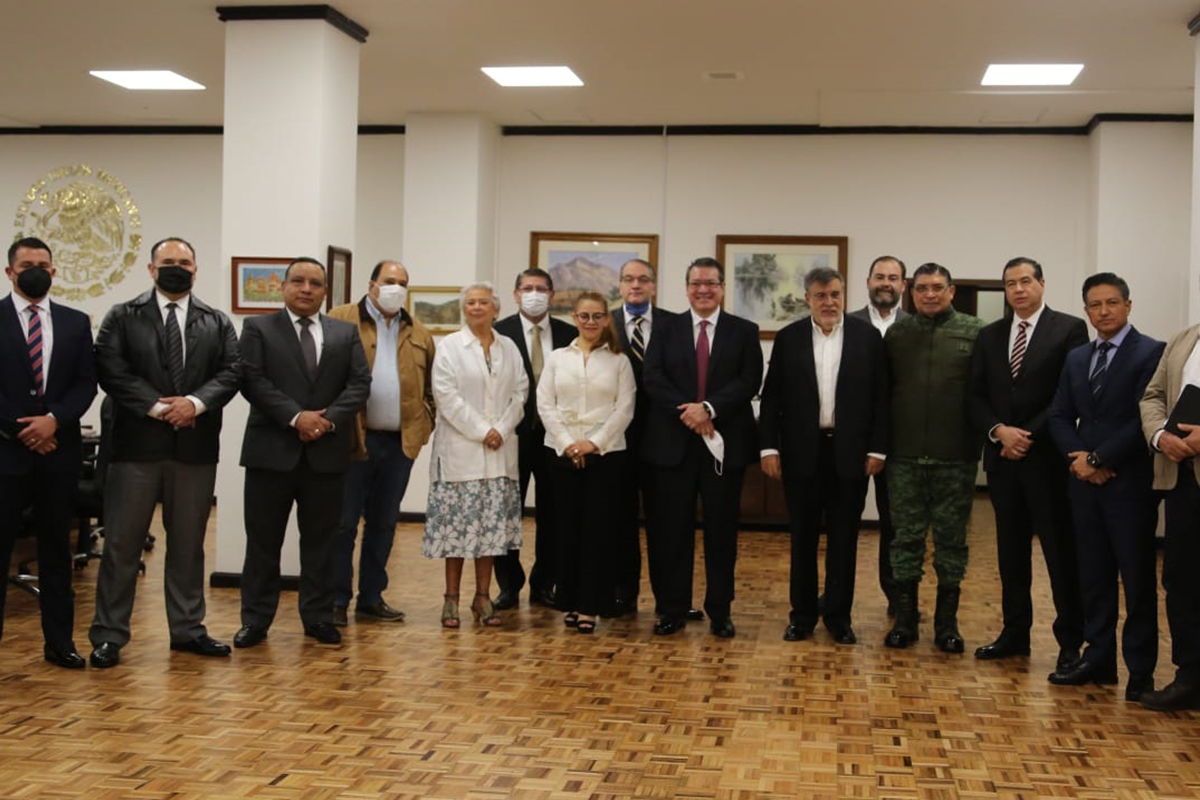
x=535 y=711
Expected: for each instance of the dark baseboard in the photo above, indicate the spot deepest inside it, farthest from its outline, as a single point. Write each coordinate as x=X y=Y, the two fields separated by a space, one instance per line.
x=233 y=580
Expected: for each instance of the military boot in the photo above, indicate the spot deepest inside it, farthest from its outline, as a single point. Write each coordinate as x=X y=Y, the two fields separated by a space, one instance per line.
x=904 y=632
x=945 y=620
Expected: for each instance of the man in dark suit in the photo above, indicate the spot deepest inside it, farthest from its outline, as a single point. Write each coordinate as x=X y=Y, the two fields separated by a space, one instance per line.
x=634 y=320
x=886 y=281
x=823 y=430
x=306 y=377
x=47 y=382
x=170 y=364
x=1098 y=429
x=536 y=333
x=1014 y=373
x=702 y=370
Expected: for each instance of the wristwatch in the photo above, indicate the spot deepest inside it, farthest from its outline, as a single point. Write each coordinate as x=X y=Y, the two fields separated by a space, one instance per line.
x=1093 y=460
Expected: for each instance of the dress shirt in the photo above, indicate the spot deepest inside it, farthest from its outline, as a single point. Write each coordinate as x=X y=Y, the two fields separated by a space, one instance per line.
x=712 y=331
x=827 y=357
x=181 y=310
x=881 y=322
x=647 y=324
x=383 y=403
x=1116 y=342
x=1015 y=327
x=22 y=307
x=588 y=398
x=318 y=339
x=547 y=340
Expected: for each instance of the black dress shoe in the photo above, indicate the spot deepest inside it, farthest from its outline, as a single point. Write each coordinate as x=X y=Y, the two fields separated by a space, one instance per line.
x=106 y=654
x=203 y=645
x=695 y=615
x=797 y=633
x=669 y=625
x=380 y=611
x=506 y=600
x=723 y=628
x=622 y=607
x=249 y=635
x=542 y=597
x=1004 y=647
x=842 y=634
x=67 y=658
x=1084 y=672
x=1067 y=658
x=340 y=617
x=1138 y=685
x=1175 y=696
x=323 y=632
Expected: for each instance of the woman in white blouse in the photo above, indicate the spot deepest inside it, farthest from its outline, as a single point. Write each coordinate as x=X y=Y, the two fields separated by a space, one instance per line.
x=585 y=400
x=474 y=508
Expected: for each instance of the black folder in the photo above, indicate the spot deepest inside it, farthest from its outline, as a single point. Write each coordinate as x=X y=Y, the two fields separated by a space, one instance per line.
x=1187 y=410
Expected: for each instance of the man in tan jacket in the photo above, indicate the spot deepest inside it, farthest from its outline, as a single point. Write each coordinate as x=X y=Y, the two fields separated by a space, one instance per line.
x=395 y=423
x=1177 y=473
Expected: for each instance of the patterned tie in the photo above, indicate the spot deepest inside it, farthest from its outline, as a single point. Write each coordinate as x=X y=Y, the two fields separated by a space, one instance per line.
x=174 y=347
x=308 y=347
x=1096 y=379
x=638 y=342
x=535 y=354
x=1018 y=351
x=702 y=360
x=35 y=348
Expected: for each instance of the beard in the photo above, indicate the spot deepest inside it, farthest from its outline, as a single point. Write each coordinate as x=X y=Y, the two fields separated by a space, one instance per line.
x=885 y=297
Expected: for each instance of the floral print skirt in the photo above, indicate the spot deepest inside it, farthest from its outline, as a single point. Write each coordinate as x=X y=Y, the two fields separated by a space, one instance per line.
x=469 y=519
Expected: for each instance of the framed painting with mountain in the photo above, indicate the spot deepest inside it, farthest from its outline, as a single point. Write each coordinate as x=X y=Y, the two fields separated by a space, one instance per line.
x=583 y=262
x=764 y=275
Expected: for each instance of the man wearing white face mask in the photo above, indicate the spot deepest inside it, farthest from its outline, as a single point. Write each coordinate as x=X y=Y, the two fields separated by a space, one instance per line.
x=389 y=433
x=535 y=333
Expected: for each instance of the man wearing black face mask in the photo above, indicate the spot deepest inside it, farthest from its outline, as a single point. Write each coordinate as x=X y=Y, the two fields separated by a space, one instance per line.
x=170 y=363
x=47 y=382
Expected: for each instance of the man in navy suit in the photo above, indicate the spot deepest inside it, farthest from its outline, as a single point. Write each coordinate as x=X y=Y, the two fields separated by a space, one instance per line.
x=702 y=370
x=1097 y=426
x=47 y=382
x=1014 y=373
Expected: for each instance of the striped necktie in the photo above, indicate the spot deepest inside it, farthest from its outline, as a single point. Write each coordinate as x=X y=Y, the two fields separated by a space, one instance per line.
x=174 y=347
x=1096 y=379
x=1018 y=351
x=36 y=357
x=637 y=342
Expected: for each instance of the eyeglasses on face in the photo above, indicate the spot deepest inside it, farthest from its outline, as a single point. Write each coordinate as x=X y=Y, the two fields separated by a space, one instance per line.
x=704 y=284
x=598 y=316
x=636 y=279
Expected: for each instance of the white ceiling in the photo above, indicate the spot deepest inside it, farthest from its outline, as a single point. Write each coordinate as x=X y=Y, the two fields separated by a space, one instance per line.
x=808 y=62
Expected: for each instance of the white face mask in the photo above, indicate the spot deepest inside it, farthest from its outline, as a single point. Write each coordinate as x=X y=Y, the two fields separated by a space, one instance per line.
x=391 y=297
x=535 y=303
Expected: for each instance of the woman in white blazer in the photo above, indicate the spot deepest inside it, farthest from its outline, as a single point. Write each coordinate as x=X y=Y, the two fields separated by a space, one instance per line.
x=474 y=508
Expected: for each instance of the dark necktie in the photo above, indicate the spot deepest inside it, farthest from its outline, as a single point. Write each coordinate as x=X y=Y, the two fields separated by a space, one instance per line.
x=308 y=347
x=34 y=340
x=1096 y=379
x=1018 y=351
x=702 y=360
x=174 y=347
x=638 y=343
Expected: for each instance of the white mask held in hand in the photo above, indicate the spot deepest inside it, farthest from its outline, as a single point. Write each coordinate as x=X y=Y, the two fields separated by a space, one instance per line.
x=535 y=304
x=392 y=297
x=716 y=446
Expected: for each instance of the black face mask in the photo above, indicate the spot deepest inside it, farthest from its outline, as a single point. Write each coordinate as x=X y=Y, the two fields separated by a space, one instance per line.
x=174 y=280
x=34 y=283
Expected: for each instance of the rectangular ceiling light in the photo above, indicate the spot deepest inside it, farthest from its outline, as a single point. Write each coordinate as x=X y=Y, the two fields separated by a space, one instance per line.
x=1031 y=74
x=162 y=79
x=533 y=76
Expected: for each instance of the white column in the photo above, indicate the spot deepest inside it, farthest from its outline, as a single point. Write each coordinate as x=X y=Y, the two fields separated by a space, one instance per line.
x=288 y=187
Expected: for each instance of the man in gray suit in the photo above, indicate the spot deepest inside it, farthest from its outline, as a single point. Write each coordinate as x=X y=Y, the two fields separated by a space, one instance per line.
x=306 y=376
x=886 y=283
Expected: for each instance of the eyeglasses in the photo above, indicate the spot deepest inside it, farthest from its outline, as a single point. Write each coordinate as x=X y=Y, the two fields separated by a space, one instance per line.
x=599 y=316
x=636 y=279
x=930 y=288
x=704 y=284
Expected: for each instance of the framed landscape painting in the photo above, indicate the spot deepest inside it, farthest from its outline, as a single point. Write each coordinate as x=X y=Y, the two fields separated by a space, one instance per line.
x=764 y=275
x=581 y=262
x=436 y=307
x=258 y=284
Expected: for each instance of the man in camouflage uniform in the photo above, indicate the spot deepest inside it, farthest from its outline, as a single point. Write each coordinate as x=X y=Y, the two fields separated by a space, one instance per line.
x=933 y=455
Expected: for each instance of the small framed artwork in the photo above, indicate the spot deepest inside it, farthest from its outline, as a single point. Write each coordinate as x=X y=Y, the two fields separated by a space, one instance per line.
x=582 y=262
x=338 y=262
x=258 y=284
x=764 y=275
x=436 y=307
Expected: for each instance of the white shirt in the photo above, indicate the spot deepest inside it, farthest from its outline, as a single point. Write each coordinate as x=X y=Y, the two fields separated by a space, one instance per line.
x=712 y=326
x=647 y=324
x=181 y=311
x=881 y=322
x=827 y=357
x=471 y=400
x=383 y=403
x=586 y=399
x=1014 y=329
x=317 y=333
x=22 y=307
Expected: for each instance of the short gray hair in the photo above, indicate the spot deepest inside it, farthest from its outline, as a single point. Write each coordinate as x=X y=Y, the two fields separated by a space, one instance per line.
x=487 y=285
x=821 y=275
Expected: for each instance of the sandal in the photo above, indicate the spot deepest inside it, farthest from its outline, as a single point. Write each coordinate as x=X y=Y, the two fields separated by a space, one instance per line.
x=450 y=611
x=586 y=625
x=571 y=619
x=484 y=612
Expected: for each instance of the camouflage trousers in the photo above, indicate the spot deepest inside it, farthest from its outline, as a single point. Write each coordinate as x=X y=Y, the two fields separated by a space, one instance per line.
x=930 y=494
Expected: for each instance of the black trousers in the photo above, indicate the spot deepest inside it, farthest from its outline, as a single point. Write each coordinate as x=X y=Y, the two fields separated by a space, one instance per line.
x=1180 y=557
x=671 y=536
x=887 y=581
x=52 y=498
x=585 y=513
x=839 y=502
x=510 y=575
x=1030 y=498
x=269 y=495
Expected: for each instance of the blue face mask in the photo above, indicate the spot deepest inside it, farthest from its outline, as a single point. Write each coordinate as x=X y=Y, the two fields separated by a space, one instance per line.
x=637 y=310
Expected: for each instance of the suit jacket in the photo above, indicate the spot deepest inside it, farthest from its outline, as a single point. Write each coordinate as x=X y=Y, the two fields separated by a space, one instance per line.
x=633 y=434
x=996 y=398
x=70 y=387
x=131 y=354
x=561 y=335
x=735 y=368
x=1162 y=392
x=789 y=417
x=276 y=382
x=865 y=315
x=1108 y=424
